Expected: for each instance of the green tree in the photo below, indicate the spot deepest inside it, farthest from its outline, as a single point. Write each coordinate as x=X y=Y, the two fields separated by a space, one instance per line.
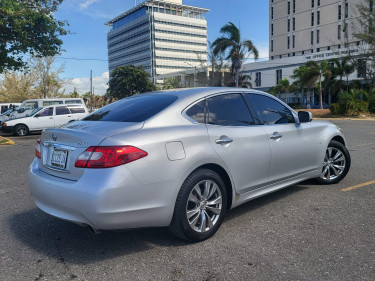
x=172 y=83
x=129 y=80
x=342 y=68
x=17 y=87
x=352 y=102
x=236 y=49
x=28 y=27
x=300 y=77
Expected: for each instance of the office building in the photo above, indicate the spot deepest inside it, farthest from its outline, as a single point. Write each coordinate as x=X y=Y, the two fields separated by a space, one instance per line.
x=301 y=27
x=161 y=36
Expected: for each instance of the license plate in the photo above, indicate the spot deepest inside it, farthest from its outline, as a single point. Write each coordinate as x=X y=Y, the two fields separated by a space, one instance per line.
x=59 y=158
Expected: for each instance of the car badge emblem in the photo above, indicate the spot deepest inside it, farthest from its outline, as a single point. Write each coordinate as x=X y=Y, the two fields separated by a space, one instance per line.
x=54 y=137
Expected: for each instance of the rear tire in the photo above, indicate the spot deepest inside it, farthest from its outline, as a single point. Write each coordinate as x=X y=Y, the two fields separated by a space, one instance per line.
x=200 y=206
x=336 y=163
x=21 y=130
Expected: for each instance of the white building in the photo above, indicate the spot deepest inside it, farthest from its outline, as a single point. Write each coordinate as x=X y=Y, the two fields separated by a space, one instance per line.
x=161 y=36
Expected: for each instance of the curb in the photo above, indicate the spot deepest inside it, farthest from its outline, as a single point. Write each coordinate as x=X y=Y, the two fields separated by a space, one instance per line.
x=5 y=141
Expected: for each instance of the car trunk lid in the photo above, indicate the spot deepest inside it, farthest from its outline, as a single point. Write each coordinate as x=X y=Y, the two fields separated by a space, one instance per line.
x=60 y=147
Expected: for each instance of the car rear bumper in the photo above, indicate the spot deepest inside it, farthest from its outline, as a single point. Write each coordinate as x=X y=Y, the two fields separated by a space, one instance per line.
x=105 y=199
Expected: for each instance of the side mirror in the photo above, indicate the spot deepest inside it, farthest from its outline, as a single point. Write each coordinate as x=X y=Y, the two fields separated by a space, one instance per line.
x=304 y=116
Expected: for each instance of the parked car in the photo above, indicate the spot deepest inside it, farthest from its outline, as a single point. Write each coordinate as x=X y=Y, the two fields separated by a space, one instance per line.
x=5 y=116
x=45 y=118
x=317 y=106
x=180 y=158
x=29 y=105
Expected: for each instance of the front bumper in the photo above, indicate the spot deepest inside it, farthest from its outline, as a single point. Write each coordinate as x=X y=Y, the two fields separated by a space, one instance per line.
x=7 y=129
x=105 y=199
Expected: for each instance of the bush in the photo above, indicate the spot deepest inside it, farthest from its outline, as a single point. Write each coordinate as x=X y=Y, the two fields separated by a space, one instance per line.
x=371 y=106
x=352 y=103
x=335 y=108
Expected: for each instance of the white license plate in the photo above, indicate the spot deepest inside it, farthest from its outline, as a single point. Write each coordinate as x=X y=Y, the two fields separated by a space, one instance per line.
x=59 y=158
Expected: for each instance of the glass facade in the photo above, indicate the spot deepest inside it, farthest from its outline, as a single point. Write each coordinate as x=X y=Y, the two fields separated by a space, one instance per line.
x=129 y=18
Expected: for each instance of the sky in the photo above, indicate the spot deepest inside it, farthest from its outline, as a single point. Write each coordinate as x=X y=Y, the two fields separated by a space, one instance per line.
x=86 y=45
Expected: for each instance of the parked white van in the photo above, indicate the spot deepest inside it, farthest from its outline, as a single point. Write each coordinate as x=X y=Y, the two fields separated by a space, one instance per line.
x=29 y=105
x=45 y=118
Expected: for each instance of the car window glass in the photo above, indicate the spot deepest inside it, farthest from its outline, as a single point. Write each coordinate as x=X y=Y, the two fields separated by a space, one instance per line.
x=73 y=101
x=269 y=110
x=61 y=110
x=52 y=102
x=228 y=110
x=77 y=110
x=133 y=109
x=46 y=112
x=31 y=105
x=196 y=112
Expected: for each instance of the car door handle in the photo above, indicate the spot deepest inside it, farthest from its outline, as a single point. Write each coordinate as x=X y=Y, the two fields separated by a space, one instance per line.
x=69 y=116
x=276 y=136
x=51 y=118
x=224 y=141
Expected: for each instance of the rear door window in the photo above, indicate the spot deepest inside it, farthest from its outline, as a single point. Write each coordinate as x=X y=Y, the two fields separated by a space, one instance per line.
x=73 y=101
x=77 y=110
x=61 y=110
x=46 y=112
x=52 y=102
x=228 y=110
x=269 y=110
x=134 y=109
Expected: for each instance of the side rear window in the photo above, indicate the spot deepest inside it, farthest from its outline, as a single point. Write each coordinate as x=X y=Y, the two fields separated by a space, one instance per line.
x=73 y=102
x=77 y=110
x=196 y=112
x=134 y=109
x=61 y=110
x=52 y=102
x=228 y=110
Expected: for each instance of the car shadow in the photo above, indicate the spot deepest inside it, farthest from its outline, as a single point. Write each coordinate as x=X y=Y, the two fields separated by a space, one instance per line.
x=68 y=242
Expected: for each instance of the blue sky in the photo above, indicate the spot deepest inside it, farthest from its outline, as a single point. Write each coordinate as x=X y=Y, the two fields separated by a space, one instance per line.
x=88 y=33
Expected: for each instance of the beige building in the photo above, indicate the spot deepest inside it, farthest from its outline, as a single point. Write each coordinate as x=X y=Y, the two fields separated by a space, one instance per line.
x=301 y=27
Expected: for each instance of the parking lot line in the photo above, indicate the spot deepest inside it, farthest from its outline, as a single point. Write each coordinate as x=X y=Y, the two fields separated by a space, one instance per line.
x=358 y=186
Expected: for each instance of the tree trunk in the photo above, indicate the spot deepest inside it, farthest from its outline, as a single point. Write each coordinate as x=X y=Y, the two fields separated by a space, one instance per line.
x=308 y=98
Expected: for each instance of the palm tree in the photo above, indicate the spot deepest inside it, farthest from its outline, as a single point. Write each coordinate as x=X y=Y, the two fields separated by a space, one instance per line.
x=342 y=67
x=237 y=50
x=299 y=75
x=172 y=83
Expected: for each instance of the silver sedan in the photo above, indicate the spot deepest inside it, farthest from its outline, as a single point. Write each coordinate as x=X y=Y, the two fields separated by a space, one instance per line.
x=181 y=159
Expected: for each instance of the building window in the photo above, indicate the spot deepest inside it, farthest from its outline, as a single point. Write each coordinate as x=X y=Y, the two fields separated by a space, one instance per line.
x=312 y=50
x=288 y=7
x=317 y=50
x=318 y=3
x=294 y=6
x=258 y=79
x=288 y=54
x=271 y=12
x=346 y=10
x=288 y=42
x=303 y=52
x=294 y=41
x=339 y=14
x=339 y=46
x=271 y=45
x=339 y=32
x=312 y=18
x=371 y=6
x=358 y=43
x=312 y=3
x=294 y=23
x=279 y=75
x=271 y=57
x=317 y=36
x=288 y=24
x=318 y=18
x=312 y=37
x=328 y=48
x=294 y=54
x=271 y=29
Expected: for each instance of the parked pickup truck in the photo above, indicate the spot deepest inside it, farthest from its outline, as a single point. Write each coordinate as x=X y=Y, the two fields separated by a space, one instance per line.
x=45 y=118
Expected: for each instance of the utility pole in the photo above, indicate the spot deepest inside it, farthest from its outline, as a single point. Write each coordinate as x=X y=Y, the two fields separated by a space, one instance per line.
x=91 y=89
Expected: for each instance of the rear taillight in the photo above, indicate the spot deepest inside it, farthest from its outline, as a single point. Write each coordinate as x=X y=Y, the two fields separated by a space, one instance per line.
x=108 y=156
x=37 y=149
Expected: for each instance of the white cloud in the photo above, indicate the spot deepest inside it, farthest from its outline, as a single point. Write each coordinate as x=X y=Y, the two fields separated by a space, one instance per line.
x=87 y=3
x=82 y=85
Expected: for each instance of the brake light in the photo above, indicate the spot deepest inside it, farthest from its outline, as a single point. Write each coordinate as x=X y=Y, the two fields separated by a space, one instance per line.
x=37 y=149
x=108 y=156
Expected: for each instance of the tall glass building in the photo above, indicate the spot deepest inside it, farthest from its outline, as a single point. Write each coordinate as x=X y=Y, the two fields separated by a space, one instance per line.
x=161 y=36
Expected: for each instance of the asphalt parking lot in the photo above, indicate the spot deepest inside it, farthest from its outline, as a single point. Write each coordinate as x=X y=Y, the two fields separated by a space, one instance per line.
x=304 y=232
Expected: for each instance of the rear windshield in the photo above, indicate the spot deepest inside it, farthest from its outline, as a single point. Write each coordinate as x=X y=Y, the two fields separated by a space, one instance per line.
x=133 y=109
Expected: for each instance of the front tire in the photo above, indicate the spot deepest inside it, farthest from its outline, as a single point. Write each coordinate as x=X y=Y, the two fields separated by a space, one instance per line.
x=336 y=163
x=21 y=130
x=200 y=206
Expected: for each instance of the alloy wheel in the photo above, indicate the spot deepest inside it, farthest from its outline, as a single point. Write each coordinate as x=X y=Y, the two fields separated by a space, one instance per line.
x=334 y=164
x=21 y=130
x=204 y=206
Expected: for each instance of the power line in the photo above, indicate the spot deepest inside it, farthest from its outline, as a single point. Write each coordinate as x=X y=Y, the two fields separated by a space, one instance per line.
x=82 y=59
